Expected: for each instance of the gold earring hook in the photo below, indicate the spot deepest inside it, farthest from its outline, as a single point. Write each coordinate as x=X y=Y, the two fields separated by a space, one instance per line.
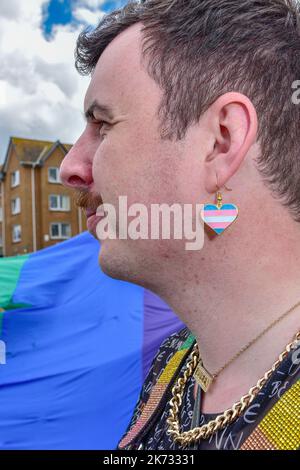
x=218 y=187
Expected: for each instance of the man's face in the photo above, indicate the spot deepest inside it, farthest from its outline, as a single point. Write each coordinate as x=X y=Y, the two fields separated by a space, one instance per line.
x=123 y=154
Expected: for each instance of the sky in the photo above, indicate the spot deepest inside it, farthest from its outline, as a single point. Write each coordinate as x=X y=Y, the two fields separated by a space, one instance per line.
x=41 y=93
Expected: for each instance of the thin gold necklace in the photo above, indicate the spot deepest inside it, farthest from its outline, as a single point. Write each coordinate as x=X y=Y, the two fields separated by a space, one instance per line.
x=221 y=421
x=204 y=378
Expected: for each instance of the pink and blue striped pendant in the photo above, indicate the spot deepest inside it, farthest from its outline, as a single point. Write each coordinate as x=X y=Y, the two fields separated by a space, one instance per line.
x=219 y=217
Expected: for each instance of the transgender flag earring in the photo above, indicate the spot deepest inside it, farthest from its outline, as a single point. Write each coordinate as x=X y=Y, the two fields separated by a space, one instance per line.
x=219 y=216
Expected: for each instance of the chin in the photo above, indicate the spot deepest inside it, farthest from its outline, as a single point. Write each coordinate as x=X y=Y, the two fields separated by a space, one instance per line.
x=121 y=260
x=114 y=262
x=131 y=261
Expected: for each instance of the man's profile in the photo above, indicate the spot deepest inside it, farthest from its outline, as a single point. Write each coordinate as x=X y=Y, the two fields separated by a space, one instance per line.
x=190 y=101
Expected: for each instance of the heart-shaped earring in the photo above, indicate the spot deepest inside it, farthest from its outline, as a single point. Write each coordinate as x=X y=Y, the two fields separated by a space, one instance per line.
x=219 y=216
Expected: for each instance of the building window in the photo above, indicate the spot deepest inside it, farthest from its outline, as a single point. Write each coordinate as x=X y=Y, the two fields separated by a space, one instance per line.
x=16 y=233
x=53 y=175
x=59 y=202
x=15 y=178
x=60 y=231
x=16 y=206
x=1 y=214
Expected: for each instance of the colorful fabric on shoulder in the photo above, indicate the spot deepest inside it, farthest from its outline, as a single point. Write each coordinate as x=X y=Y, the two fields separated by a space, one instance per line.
x=271 y=422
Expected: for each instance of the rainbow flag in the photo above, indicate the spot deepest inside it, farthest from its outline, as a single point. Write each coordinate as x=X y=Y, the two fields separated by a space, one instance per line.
x=78 y=346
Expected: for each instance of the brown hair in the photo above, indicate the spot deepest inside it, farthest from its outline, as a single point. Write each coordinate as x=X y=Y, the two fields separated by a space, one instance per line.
x=197 y=50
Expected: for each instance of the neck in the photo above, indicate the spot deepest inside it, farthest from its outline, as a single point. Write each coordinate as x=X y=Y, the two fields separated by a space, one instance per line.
x=227 y=303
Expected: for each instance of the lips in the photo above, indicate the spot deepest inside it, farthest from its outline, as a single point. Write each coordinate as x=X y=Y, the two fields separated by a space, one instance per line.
x=92 y=222
x=89 y=212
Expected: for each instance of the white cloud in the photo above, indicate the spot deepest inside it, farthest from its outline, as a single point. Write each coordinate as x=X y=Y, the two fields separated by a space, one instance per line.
x=92 y=4
x=9 y=9
x=87 y=16
x=60 y=74
x=41 y=94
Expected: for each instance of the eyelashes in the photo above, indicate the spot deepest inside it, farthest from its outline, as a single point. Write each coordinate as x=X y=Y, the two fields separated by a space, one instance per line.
x=100 y=126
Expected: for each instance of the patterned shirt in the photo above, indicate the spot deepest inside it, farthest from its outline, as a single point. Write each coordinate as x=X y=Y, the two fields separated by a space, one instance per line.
x=148 y=427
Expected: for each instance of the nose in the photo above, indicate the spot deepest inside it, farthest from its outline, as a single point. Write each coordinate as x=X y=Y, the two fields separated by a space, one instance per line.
x=76 y=168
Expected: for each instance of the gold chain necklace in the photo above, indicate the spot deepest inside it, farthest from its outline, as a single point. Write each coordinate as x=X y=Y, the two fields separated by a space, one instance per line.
x=205 y=378
x=221 y=421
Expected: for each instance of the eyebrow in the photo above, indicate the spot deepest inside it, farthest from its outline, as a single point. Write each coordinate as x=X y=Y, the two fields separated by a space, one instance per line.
x=101 y=108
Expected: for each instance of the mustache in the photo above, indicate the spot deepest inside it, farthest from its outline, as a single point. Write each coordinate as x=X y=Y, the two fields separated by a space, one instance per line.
x=86 y=200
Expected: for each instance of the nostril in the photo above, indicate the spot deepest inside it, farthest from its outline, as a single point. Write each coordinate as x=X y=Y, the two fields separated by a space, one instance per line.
x=76 y=181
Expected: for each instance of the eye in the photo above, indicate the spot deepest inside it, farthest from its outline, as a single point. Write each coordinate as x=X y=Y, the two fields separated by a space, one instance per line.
x=100 y=126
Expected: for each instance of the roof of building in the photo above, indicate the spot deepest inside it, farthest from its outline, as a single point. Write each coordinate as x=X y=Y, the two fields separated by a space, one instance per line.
x=31 y=151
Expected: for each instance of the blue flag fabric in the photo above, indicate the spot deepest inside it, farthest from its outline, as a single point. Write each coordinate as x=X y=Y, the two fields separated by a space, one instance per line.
x=78 y=353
